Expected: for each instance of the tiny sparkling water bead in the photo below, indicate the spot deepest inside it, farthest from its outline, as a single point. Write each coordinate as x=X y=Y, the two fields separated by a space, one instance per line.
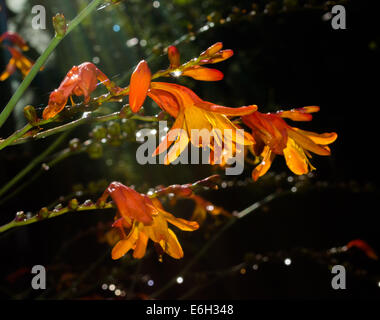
x=20 y=216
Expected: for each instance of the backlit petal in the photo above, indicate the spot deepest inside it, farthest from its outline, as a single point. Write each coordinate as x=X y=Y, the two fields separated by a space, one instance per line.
x=216 y=47
x=165 y=100
x=123 y=246
x=264 y=165
x=172 y=246
x=221 y=56
x=9 y=70
x=171 y=135
x=179 y=146
x=139 y=85
x=52 y=110
x=241 y=111
x=295 y=158
x=182 y=224
x=204 y=74
x=158 y=230
x=141 y=244
x=307 y=143
x=300 y=114
x=319 y=138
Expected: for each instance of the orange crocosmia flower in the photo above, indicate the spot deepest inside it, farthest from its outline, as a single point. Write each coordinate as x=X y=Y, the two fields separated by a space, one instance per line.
x=15 y=38
x=80 y=81
x=130 y=206
x=274 y=136
x=191 y=112
x=18 y=61
x=139 y=85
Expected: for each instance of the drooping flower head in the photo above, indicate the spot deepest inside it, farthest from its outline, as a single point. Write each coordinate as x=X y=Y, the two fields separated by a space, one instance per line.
x=18 y=61
x=191 y=112
x=140 y=219
x=273 y=136
x=80 y=81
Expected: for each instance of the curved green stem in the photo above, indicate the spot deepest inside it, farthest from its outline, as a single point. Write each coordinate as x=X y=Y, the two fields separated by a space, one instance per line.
x=41 y=60
x=52 y=214
x=19 y=133
x=75 y=123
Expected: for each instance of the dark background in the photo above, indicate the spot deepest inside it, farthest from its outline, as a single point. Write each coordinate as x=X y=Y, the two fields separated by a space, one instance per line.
x=283 y=59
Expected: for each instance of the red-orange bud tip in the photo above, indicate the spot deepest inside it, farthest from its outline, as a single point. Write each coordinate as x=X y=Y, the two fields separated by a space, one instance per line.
x=174 y=57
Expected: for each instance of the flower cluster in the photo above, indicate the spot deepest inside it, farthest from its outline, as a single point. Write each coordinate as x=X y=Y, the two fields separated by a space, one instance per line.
x=270 y=134
x=140 y=218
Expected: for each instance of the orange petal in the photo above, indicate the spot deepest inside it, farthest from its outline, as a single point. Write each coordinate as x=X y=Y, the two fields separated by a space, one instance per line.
x=264 y=165
x=158 y=231
x=172 y=246
x=216 y=47
x=296 y=158
x=221 y=56
x=174 y=57
x=9 y=70
x=123 y=246
x=182 y=224
x=141 y=244
x=307 y=143
x=183 y=95
x=310 y=109
x=299 y=114
x=139 y=86
x=204 y=74
x=319 y=138
x=165 y=100
x=241 y=111
x=179 y=146
x=52 y=110
x=171 y=135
